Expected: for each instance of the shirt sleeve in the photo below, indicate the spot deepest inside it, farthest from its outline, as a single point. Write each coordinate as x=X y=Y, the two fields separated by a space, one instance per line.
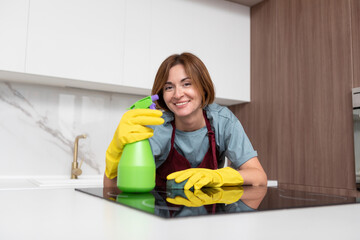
x=239 y=149
x=233 y=139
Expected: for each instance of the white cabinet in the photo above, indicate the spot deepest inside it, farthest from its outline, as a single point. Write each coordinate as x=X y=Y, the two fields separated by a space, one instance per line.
x=118 y=45
x=216 y=31
x=81 y=39
x=13 y=29
x=137 y=51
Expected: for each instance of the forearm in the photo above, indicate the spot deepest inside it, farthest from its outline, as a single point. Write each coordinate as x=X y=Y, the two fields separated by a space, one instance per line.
x=109 y=183
x=253 y=173
x=253 y=176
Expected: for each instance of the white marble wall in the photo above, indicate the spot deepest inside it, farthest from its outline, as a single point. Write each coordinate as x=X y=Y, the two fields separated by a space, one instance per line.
x=38 y=126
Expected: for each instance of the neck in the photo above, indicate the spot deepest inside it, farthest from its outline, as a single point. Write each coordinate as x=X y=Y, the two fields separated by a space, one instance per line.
x=190 y=123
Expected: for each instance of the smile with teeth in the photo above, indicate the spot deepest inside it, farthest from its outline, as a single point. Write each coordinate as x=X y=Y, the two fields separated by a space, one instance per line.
x=181 y=103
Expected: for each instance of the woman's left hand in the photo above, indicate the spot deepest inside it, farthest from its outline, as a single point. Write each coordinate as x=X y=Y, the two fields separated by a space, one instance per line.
x=202 y=177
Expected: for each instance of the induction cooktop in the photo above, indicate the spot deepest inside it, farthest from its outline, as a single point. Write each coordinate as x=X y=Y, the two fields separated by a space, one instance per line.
x=177 y=203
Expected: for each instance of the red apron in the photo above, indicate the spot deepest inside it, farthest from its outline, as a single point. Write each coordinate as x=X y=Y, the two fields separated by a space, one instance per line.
x=176 y=162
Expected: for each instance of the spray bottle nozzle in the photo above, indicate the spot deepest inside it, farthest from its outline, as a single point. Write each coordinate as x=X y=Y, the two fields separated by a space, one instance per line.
x=146 y=102
x=155 y=97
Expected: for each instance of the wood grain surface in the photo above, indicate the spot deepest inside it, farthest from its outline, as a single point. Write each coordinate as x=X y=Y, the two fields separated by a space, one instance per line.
x=300 y=116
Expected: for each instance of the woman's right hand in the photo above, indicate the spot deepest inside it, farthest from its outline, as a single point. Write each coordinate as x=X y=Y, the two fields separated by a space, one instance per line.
x=130 y=129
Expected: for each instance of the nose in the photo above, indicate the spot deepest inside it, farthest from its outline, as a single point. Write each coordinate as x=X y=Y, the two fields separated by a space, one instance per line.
x=178 y=92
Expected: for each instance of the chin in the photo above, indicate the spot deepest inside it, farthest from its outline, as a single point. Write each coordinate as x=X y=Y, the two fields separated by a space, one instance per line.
x=180 y=112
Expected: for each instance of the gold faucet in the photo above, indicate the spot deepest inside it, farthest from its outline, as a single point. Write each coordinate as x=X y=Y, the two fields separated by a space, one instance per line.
x=75 y=169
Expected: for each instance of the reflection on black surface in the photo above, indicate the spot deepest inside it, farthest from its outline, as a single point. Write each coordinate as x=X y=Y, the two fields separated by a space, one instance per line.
x=204 y=196
x=141 y=201
x=181 y=203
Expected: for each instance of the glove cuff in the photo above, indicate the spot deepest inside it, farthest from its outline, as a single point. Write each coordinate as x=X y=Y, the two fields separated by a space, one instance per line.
x=230 y=177
x=112 y=160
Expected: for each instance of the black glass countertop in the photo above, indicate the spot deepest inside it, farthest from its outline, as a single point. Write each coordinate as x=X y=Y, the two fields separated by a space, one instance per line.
x=175 y=203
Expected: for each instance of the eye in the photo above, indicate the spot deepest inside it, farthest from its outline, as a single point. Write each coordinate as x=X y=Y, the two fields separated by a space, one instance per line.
x=168 y=88
x=187 y=84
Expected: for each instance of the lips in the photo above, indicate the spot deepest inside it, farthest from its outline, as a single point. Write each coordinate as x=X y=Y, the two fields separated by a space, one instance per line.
x=181 y=103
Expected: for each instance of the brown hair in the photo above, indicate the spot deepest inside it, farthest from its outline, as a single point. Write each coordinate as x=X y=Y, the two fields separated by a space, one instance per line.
x=194 y=68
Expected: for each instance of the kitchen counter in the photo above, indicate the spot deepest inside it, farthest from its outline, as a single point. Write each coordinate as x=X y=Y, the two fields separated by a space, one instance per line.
x=69 y=214
x=49 y=182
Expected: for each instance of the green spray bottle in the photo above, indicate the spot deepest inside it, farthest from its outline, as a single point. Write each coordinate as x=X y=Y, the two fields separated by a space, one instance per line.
x=136 y=169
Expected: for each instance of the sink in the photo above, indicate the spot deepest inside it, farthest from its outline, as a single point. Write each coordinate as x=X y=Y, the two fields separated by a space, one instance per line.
x=66 y=182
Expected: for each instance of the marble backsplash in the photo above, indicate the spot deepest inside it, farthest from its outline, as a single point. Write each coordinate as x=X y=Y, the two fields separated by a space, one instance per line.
x=38 y=126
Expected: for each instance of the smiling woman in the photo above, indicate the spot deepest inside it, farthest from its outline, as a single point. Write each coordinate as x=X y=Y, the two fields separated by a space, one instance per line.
x=196 y=135
x=180 y=83
x=182 y=98
x=191 y=67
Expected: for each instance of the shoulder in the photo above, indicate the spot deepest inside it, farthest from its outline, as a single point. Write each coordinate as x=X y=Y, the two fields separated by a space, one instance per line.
x=223 y=121
x=219 y=113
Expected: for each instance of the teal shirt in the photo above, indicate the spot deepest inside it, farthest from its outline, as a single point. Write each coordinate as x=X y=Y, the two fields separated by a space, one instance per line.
x=231 y=139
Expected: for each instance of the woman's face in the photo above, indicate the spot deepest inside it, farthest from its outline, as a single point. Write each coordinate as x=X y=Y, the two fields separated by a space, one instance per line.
x=181 y=95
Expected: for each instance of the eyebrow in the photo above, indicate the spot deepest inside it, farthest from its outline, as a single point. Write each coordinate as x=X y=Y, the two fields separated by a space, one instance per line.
x=186 y=78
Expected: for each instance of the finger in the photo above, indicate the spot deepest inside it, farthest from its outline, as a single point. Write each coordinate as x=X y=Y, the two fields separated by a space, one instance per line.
x=174 y=175
x=181 y=176
x=147 y=120
x=185 y=175
x=171 y=200
x=140 y=129
x=179 y=201
x=192 y=180
x=206 y=198
x=141 y=136
x=174 y=201
x=202 y=182
x=195 y=201
x=136 y=133
x=144 y=112
x=211 y=191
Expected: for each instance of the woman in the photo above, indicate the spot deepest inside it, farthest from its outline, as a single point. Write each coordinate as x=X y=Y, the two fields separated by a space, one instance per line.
x=192 y=138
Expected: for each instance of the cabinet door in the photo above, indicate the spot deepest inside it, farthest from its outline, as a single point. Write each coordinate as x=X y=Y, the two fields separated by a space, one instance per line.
x=77 y=39
x=137 y=45
x=218 y=32
x=13 y=29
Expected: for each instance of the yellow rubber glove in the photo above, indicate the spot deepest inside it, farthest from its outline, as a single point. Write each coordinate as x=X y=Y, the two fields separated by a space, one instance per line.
x=207 y=196
x=131 y=129
x=202 y=177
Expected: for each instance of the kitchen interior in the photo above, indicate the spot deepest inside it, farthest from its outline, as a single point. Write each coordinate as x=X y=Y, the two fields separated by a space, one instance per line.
x=288 y=69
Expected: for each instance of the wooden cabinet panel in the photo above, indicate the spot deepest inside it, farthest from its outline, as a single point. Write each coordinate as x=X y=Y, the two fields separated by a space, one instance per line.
x=258 y=117
x=355 y=30
x=306 y=137
x=314 y=73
